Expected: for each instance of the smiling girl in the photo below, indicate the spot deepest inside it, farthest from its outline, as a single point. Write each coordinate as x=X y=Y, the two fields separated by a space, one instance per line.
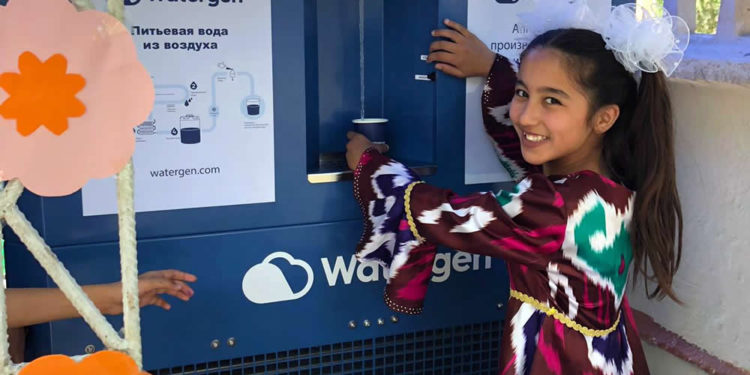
x=591 y=150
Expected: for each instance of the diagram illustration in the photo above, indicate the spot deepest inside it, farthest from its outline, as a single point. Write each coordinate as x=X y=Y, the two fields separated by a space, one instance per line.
x=177 y=115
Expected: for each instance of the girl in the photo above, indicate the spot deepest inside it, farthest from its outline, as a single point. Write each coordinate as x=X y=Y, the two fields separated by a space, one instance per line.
x=581 y=137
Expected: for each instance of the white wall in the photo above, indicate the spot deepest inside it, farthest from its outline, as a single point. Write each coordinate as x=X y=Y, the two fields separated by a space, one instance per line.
x=712 y=123
x=663 y=363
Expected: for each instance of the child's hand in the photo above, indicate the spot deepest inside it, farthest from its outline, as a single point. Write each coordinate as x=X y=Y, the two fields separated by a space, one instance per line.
x=462 y=55
x=357 y=146
x=151 y=286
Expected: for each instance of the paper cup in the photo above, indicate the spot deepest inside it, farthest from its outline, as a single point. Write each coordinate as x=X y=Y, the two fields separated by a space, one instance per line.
x=372 y=128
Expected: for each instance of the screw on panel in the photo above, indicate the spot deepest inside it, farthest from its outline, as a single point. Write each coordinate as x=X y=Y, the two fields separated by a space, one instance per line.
x=366 y=323
x=499 y=306
x=352 y=324
x=89 y=349
x=231 y=342
x=215 y=344
x=381 y=321
x=394 y=319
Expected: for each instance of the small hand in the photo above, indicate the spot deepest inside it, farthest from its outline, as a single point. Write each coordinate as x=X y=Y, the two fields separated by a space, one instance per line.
x=462 y=55
x=357 y=146
x=151 y=286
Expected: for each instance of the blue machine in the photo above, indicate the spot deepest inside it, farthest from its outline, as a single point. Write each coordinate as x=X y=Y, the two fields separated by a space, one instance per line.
x=340 y=324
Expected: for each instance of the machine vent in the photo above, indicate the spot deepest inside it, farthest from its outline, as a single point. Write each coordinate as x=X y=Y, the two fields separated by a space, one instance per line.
x=466 y=349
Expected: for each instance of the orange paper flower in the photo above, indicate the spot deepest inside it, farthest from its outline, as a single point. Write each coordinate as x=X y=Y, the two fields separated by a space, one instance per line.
x=42 y=94
x=101 y=363
x=71 y=91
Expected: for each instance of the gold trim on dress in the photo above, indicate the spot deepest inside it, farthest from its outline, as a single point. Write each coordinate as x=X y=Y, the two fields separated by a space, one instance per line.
x=407 y=205
x=562 y=318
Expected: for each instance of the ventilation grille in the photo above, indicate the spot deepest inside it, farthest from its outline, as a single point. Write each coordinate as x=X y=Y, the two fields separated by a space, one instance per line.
x=468 y=349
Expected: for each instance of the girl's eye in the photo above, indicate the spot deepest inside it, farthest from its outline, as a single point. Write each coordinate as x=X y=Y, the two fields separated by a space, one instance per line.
x=552 y=101
x=521 y=93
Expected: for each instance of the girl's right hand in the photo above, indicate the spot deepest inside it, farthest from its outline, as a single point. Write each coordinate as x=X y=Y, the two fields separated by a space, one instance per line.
x=357 y=146
x=462 y=55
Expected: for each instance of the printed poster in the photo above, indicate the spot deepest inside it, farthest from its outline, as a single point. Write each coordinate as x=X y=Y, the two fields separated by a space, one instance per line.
x=210 y=138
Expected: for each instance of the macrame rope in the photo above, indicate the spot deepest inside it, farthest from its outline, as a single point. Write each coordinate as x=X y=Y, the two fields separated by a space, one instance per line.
x=116 y=8
x=16 y=220
x=128 y=243
x=5 y=362
x=129 y=263
x=83 y=4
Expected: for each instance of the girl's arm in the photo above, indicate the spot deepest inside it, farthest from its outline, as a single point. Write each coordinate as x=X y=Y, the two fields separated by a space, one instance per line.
x=405 y=220
x=461 y=54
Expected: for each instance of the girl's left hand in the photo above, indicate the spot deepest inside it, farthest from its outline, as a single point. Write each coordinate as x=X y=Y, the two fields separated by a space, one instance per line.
x=357 y=146
x=460 y=53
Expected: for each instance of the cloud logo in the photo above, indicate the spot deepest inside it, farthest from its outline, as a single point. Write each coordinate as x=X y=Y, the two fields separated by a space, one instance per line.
x=265 y=283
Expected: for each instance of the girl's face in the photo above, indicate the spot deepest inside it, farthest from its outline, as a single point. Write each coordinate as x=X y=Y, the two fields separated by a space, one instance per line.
x=550 y=113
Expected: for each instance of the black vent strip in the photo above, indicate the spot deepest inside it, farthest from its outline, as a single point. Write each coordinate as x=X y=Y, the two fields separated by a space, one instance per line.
x=466 y=349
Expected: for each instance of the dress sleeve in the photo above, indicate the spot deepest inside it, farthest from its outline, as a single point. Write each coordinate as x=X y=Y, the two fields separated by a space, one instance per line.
x=406 y=219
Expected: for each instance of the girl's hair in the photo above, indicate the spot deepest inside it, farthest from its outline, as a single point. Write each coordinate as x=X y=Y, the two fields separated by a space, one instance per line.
x=638 y=150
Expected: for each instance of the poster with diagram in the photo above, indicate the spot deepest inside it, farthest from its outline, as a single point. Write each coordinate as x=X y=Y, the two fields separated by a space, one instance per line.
x=210 y=138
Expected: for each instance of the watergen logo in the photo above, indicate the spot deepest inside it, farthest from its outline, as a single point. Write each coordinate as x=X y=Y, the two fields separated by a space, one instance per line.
x=211 y=3
x=266 y=283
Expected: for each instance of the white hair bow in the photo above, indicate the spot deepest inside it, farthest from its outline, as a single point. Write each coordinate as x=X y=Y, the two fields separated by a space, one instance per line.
x=641 y=40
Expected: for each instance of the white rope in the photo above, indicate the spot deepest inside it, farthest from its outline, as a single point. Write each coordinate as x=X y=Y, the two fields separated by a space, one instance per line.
x=128 y=246
x=60 y=275
x=129 y=263
x=10 y=195
x=83 y=4
x=5 y=362
x=16 y=220
x=117 y=9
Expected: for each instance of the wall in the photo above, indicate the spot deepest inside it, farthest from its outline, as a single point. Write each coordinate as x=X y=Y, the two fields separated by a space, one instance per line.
x=712 y=123
x=663 y=363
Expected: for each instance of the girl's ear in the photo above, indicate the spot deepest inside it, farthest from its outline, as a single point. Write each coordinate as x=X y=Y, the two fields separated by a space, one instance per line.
x=605 y=117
